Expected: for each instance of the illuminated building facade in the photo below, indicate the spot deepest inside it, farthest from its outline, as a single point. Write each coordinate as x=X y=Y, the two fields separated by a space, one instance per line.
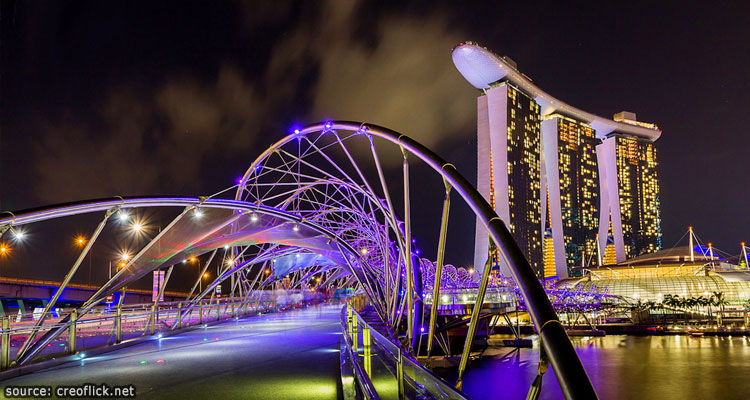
x=509 y=143
x=630 y=197
x=572 y=181
x=569 y=173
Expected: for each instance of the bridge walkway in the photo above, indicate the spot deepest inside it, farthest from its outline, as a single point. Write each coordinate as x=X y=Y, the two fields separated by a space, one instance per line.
x=290 y=355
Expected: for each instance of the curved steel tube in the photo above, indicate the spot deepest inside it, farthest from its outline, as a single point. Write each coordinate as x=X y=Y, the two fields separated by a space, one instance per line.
x=89 y=206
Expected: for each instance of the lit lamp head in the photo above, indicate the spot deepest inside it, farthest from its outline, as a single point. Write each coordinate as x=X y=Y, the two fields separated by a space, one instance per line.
x=80 y=241
x=18 y=234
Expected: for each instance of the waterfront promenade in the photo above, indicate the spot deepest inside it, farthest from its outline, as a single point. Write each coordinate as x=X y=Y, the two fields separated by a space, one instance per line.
x=289 y=355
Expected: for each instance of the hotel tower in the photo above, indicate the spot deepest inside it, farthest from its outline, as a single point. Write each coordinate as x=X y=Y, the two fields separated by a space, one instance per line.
x=575 y=189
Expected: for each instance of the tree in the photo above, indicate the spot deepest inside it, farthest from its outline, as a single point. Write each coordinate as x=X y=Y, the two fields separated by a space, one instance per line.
x=721 y=301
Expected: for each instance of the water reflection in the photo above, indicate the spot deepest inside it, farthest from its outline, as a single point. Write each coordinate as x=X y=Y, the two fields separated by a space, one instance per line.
x=626 y=367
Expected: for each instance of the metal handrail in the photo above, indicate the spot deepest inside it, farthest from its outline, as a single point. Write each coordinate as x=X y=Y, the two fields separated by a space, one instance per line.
x=396 y=358
x=364 y=383
x=143 y=320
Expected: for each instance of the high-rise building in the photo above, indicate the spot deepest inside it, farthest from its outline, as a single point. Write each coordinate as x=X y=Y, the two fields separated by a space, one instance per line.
x=572 y=179
x=631 y=202
x=509 y=143
x=556 y=174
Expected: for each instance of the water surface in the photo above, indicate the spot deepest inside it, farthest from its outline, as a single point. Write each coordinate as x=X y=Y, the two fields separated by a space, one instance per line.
x=627 y=367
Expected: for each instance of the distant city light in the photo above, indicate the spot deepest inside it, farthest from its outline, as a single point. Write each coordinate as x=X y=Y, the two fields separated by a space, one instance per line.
x=80 y=241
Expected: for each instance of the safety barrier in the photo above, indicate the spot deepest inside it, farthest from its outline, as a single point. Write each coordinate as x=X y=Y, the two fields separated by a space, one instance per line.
x=115 y=324
x=375 y=367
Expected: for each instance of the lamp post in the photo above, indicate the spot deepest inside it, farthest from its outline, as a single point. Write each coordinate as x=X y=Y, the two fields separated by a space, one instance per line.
x=79 y=242
x=122 y=262
x=200 y=285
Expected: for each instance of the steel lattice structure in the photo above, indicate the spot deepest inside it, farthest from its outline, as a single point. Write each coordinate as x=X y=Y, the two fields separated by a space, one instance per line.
x=318 y=202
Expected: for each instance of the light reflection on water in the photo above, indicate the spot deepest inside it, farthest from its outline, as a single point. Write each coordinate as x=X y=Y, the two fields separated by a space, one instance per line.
x=627 y=367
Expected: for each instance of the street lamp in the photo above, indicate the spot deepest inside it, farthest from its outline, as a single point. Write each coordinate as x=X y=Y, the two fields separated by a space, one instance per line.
x=79 y=241
x=122 y=262
x=205 y=276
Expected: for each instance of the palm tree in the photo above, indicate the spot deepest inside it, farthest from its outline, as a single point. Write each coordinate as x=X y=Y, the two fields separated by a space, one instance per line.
x=672 y=301
x=721 y=302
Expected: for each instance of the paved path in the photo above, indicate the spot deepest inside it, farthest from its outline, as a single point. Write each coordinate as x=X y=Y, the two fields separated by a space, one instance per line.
x=291 y=355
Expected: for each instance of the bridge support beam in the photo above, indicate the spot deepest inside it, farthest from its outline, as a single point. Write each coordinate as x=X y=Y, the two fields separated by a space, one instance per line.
x=5 y=345
x=118 y=324
x=475 y=317
x=439 y=266
x=72 y=332
x=408 y=257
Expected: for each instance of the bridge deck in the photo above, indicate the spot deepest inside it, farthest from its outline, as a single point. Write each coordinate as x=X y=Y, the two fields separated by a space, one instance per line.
x=273 y=356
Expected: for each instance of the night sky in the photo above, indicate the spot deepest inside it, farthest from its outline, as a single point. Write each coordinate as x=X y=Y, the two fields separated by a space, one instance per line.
x=162 y=98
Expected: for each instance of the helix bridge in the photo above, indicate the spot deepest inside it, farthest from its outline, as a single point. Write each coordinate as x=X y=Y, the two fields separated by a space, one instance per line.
x=320 y=205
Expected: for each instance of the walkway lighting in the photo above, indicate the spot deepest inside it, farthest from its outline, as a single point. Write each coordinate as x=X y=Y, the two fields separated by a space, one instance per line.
x=18 y=234
x=136 y=227
x=363 y=250
x=123 y=215
x=125 y=256
x=254 y=217
x=197 y=213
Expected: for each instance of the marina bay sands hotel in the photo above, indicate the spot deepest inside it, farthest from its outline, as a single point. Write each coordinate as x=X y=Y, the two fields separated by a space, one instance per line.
x=574 y=188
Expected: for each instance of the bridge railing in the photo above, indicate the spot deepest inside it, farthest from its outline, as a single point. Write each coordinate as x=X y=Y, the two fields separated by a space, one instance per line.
x=379 y=367
x=110 y=325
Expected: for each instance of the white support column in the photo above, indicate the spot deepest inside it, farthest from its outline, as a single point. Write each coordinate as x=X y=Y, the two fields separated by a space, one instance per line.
x=481 y=240
x=497 y=107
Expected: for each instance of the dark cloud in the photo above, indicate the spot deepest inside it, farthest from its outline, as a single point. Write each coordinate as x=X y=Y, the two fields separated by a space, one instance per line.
x=156 y=140
x=152 y=142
